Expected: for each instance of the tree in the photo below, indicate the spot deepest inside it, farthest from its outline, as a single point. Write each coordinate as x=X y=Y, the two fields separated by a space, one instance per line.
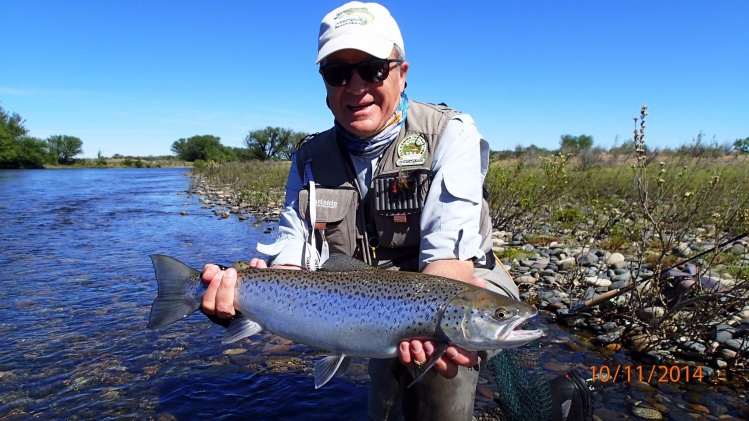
x=272 y=142
x=575 y=144
x=65 y=147
x=244 y=154
x=11 y=128
x=34 y=153
x=16 y=149
x=8 y=150
x=741 y=145
x=205 y=147
x=12 y=124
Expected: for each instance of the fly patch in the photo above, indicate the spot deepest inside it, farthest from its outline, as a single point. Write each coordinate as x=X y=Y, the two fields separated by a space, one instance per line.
x=403 y=192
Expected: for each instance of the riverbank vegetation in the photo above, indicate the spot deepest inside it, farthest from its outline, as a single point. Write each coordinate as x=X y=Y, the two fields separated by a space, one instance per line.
x=120 y=161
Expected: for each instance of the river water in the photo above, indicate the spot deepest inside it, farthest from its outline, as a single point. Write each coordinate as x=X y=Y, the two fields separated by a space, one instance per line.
x=77 y=290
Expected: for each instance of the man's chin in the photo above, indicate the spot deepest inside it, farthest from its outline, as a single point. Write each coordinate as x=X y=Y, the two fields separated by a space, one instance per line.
x=361 y=128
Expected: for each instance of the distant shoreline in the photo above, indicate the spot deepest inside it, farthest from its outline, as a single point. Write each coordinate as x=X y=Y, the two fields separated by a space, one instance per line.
x=139 y=162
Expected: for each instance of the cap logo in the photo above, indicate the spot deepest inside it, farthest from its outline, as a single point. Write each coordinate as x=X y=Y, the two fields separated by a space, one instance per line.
x=353 y=16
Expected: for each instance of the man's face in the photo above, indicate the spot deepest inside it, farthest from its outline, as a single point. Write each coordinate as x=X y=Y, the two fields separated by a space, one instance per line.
x=361 y=107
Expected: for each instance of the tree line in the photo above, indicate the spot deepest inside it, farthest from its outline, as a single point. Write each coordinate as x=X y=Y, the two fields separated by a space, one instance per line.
x=582 y=146
x=19 y=150
x=263 y=144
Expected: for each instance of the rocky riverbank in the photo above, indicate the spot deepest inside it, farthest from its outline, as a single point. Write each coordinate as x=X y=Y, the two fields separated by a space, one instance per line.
x=685 y=317
x=557 y=278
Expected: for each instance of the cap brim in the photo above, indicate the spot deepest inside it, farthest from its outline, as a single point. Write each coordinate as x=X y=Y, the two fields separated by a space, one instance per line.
x=380 y=48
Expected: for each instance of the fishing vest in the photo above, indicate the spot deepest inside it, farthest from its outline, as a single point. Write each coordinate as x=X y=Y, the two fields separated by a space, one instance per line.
x=384 y=230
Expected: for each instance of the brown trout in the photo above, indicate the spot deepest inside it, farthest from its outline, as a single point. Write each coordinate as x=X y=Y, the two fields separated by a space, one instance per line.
x=351 y=309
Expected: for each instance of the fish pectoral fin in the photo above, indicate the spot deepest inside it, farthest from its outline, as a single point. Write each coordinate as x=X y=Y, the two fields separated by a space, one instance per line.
x=438 y=352
x=327 y=367
x=240 y=327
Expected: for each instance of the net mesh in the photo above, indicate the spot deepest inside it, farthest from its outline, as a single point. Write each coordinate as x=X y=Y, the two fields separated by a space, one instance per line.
x=524 y=392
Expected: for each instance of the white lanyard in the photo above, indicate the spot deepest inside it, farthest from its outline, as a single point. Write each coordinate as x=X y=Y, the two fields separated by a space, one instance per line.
x=314 y=259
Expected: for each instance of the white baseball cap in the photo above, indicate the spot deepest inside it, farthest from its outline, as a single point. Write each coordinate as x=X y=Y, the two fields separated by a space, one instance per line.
x=367 y=27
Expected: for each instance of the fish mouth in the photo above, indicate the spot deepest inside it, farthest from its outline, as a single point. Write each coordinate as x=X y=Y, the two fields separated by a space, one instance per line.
x=520 y=337
x=513 y=335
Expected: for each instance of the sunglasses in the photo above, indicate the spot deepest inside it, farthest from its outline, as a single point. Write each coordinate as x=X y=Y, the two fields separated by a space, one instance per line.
x=371 y=71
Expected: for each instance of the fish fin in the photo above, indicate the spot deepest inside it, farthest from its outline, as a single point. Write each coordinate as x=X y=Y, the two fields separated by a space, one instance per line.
x=240 y=327
x=176 y=299
x=438 y=352
x=327 y=367
x=339 y=262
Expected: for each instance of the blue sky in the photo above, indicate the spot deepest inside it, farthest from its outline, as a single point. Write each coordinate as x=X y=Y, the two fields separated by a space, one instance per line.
x=131 y=77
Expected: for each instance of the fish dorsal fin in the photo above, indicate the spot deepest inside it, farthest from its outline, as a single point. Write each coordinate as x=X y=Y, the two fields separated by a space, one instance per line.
x=240 y=327
x=339 y=262
x=327 y=367
x=438 y=352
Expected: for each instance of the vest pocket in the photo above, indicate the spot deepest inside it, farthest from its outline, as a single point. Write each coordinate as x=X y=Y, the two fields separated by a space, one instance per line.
x=335 y=214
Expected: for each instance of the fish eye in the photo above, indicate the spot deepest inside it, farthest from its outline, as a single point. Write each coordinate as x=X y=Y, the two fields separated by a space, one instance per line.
x=500 y=313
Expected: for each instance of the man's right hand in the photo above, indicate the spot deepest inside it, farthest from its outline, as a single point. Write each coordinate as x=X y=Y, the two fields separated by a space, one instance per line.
x=218 y=299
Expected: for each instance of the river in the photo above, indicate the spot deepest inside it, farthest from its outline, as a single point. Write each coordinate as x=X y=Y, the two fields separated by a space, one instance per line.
x=77 y=290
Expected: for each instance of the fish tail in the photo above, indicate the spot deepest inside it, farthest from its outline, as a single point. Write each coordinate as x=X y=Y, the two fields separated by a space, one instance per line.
x=180 y=291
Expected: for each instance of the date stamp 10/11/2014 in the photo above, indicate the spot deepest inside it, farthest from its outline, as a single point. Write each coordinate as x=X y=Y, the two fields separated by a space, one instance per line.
x=646 y=373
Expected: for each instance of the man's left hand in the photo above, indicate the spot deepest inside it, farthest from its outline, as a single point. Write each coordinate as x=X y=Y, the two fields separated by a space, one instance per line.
x=417 y=352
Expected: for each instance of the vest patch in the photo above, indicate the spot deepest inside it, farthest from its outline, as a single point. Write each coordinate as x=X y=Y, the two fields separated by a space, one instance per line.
x=412 y=150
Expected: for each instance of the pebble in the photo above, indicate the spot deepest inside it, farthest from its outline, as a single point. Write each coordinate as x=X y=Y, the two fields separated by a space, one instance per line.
x=587 y=259
x=540 y=264
x=616 y=261
x=610 y=337
x=642 y=341
x=566 y=264
x=647 y=413
x=737 y=345
x=727 y=354
x=619 y=284
x=599 y=282
x=649 y=313
x=699 y=408
x=622 y=277
x=693 y=346
x=738 y=248
x=683 y=250
x=526 y=279
x=723 y=332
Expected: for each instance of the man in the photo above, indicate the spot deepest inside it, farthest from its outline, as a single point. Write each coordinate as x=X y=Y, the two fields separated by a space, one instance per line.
x=395 y=183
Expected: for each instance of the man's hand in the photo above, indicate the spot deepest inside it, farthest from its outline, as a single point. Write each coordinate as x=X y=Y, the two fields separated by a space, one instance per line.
x=417 y=352
x=219 y=296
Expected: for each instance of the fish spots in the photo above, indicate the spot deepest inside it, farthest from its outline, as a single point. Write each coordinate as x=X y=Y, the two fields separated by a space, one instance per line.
x=371 y=305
